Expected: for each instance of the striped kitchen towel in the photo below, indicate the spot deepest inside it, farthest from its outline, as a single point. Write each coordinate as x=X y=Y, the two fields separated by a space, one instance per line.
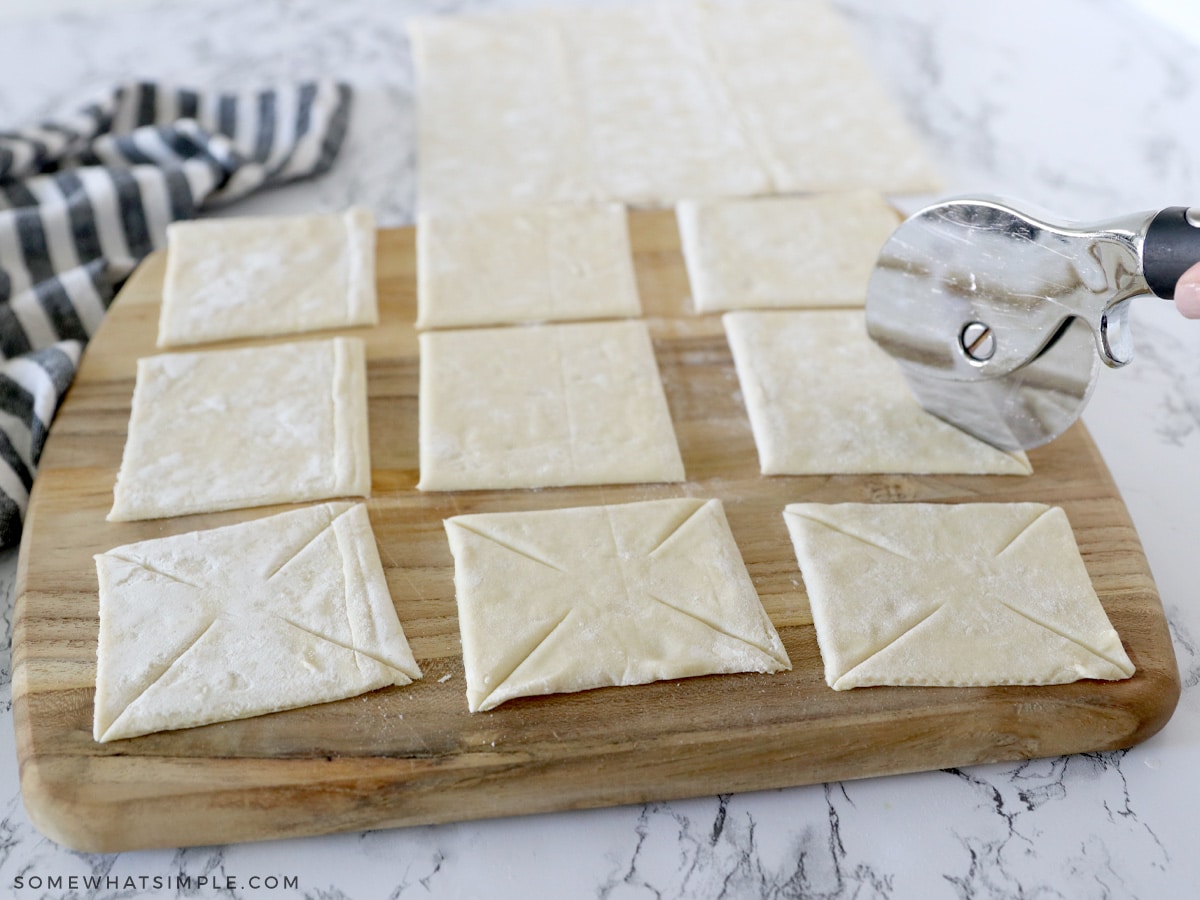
x=85 y=197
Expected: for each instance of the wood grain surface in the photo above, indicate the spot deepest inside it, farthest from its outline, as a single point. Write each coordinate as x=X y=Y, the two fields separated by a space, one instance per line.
x=414 y=754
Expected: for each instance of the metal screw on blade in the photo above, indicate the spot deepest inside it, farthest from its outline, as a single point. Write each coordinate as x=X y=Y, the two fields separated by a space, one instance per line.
x=1192 y=216
x=977 y=341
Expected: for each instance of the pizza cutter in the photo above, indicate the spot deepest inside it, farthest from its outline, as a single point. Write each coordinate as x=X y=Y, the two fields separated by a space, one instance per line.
x=1000 y=319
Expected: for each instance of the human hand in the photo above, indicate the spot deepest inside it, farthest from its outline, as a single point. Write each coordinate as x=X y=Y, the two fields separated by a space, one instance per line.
x=1187 y=293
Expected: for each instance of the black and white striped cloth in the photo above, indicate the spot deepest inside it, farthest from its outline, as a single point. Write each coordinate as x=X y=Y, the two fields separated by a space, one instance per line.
x=85 y=197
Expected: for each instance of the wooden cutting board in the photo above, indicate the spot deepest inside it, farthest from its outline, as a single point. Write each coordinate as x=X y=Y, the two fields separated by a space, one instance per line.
x=414 y=754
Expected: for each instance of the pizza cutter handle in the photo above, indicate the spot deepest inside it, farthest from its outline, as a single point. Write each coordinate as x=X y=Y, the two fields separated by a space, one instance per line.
x=1171 y=247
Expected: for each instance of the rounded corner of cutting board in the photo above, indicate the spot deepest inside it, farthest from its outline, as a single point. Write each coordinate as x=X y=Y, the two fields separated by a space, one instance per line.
x=53 y=805
x=1163 y=687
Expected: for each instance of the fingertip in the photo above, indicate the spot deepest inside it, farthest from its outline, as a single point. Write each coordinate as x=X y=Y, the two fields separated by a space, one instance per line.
x=1187 y=293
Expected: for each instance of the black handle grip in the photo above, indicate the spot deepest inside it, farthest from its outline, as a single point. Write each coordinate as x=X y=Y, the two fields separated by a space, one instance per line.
x=1172 y=246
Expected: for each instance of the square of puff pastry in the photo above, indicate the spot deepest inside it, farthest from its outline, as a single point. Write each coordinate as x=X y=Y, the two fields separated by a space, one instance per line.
x=232 y=622
x=267 y=275
x=954 y=595
x=227 y=429
x=824 y=399
x=543 y=406
x=570 y=599
x=815 y=250
x=529 y=264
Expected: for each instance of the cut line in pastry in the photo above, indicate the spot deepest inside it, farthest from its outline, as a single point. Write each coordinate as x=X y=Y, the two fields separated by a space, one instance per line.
x=543 y=406
x=951 y=595
x=566 y=600
x=233 y=622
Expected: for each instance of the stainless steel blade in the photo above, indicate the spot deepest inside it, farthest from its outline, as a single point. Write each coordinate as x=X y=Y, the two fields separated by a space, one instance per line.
x=1030 y=406
x=999 y=319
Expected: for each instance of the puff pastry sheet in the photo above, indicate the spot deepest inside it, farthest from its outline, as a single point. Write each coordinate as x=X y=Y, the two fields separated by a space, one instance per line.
x=567 y=600
x=267 y=275
x=243 y=620
x=225 y=429
x=539 y=264
x=652 y=103
x=543 y=406
x=970 y=594
x=824 y=399
x=768 y=252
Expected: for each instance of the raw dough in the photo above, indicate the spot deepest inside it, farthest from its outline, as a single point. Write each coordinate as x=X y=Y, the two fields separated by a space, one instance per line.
x=551 y=263
x=224 y=429
x=783 y=251
x=650 y=104
x=571 y=599
x=970 y=594
x=824 y=399
x=804 y=92
x=233 y=278
x=542 y=406
x=243 y=620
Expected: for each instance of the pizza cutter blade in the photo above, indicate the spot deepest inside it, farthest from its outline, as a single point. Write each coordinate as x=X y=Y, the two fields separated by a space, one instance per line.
x=1000 y=319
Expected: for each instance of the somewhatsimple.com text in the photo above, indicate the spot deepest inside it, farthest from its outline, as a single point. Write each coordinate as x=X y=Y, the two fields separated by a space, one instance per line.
x=34 y=882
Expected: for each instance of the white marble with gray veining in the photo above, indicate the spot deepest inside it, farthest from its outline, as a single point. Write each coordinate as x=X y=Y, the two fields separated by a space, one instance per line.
x=1087 y=107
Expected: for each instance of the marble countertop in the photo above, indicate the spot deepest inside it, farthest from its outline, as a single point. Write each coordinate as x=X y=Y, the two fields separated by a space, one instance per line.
x=1089 y=108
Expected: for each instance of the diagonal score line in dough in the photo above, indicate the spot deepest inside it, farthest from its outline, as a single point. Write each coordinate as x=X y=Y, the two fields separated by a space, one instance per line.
x=153 y=570
x=162 y=673
x=312 y=540
x=857 y=537
x=535 y=644
x=1061 y=634
x=1023 y=462
x=678 y=527
x=528 y=554
x=1024 y=530
x=715 y=627
x=892 y=640
x=328 y=640
x=349 y=557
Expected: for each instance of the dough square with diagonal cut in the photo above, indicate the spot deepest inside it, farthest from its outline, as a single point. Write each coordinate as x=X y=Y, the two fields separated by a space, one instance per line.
x=555 y=601
x=536 y=264
x=951 y=595
x=226 y=429
x=824 y=399
x=543 y=406
x=228 y=623
x=267 y=275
